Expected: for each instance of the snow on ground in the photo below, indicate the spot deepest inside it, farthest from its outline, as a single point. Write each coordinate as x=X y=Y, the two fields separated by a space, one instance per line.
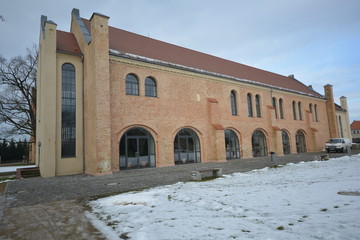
x=13 y=168
x=296 y=201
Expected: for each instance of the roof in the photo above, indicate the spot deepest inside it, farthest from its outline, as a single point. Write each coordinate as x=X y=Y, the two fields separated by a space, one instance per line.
x=355 y=125
x=339 y=108
x=66 y=42
x=132 y=43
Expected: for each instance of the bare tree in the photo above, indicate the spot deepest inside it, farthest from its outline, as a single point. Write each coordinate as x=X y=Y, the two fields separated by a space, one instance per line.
x=17 y=94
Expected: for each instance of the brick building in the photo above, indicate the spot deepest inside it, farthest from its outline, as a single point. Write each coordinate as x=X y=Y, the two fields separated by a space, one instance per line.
x=355 y=131
x=110 y=100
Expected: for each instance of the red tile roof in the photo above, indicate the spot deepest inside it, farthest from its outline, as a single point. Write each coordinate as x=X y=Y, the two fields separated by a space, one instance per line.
x=132 y=43
x=66 y=42
x=355 y=125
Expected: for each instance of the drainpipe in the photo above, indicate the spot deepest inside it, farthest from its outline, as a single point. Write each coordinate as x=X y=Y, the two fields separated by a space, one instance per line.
x=83 y=116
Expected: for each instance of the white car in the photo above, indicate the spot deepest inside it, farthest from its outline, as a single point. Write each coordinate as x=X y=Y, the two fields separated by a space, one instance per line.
x=338 y=145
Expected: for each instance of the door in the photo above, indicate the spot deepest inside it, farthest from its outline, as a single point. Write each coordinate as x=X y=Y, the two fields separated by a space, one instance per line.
x=132 y=152
x=137 y=149
x=187 y=150
x=231 y=145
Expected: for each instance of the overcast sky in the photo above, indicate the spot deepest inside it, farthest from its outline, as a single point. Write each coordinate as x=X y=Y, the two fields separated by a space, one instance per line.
x=316 y=40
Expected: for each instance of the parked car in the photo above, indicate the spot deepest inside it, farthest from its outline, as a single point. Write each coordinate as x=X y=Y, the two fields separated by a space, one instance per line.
x=338 y=144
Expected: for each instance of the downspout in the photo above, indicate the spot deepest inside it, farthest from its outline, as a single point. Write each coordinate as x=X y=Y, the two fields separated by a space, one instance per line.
x=83 y=116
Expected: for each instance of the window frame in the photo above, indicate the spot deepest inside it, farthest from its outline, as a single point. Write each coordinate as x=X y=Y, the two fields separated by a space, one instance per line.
x=258 y=105
x=68 y=105
x=234 y=111
x=281 y=108
x=294 y=110
x=249 y=104
x=132 y=87
x=275 y=106
x=150 y=88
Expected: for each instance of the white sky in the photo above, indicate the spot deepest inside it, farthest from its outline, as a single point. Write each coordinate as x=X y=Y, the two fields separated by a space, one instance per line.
x=317 y=41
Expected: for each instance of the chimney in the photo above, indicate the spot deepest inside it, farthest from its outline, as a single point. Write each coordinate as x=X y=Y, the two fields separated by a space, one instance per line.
x=330 y=109
x=310 y=87
x=343 y=102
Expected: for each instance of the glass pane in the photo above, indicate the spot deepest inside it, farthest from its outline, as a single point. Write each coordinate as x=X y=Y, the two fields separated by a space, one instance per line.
x=136 y=132
x=131 y=147
x=183 y=145
x=68 y=111
x=143 y=147
x=190 y=144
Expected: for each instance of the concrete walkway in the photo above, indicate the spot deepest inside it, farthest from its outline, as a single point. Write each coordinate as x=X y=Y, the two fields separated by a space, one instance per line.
x=38 y=208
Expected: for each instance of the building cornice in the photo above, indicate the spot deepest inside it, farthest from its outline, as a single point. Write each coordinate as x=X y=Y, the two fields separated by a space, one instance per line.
x=195 y=71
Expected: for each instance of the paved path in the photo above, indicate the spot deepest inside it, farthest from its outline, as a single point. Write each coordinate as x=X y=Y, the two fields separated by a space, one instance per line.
x=52 y=208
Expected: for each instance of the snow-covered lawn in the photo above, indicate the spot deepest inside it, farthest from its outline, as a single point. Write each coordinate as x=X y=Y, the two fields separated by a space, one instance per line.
x=296 y=201
x=13 y=168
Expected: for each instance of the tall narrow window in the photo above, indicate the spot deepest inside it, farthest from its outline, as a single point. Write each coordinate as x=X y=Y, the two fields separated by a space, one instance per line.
x=281 y=106
x=311 y=111
x=249 y=103
x=150 y=87
x=316 y=113
x=300 y=111
x=275 y=107
x=68 y=111
x=233 y=103
x=294 y=109
x=258 y=108
x=132 y=85
x=341 y=127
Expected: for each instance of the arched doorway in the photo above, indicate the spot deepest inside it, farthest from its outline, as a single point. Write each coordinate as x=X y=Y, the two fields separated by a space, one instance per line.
x=231 y=145
x=187 y=147
x=286 y=142
x=259 y=145
x=300 y=142
x=137 y=149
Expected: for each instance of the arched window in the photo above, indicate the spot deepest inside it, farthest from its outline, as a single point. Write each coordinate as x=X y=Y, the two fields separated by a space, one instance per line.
x=341 y=128
x=187 y=147
x=231 y=145
x=137 y=149
x=132 y=85
x=259 y=146
x=150 y=87
x=311 y=111
x=275 y=107
x=286 y=142
x=281 y=106
x=300 y=142
x=249 y=103
x=316 y=113
x=258 y=107
x=294 y=109
x=68 y=110
x=233 y=103
x=300 y=111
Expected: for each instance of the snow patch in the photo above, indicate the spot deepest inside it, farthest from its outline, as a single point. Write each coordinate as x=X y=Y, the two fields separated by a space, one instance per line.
x=296 y=201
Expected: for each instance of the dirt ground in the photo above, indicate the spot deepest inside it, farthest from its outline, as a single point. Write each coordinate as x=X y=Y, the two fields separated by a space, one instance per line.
x=52 y=221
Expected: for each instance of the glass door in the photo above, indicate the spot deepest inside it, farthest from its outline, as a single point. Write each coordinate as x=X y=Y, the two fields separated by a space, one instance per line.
x=132 y=152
